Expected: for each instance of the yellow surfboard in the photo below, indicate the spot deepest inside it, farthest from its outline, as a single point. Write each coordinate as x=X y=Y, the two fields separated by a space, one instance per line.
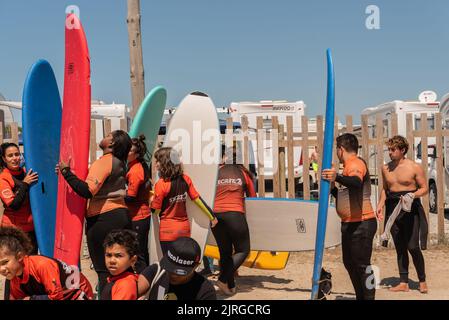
x=256 y=259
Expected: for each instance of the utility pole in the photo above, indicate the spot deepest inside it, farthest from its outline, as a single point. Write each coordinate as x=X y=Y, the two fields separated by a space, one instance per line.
x=135 y=55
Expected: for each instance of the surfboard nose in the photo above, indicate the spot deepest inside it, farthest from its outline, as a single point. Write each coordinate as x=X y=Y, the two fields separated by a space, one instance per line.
x=198 y=93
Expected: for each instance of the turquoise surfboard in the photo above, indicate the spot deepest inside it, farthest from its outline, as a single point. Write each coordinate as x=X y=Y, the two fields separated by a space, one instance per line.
x=149 y=116
x=41 y=122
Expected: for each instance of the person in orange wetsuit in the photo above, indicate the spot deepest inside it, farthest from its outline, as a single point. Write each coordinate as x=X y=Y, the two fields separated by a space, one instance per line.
x=231 y=232
x=14 y=192
x=120 y=251
x=34 y=277
x=170 y=196
x=105 y=187
x=138 y=197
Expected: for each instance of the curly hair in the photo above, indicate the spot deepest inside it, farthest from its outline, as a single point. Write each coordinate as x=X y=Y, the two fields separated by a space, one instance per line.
x=142 y=154
x=15 y=241
x=170 y=164
x=398 y=142
x=126 y=238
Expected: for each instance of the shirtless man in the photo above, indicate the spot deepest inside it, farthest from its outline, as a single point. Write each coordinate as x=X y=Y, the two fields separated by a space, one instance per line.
x=403 y=176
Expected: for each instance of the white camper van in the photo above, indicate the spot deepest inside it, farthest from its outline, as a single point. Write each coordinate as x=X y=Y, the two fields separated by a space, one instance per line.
x=115 y=112
x=268 y=109
x=427 y=104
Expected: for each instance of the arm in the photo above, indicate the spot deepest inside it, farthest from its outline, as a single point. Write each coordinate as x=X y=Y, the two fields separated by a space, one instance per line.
x=421 y=182
x=205 y=208
x=250 y=191
x=19 y=197
x=79 y=186
x=195 y=197
x=145 y=279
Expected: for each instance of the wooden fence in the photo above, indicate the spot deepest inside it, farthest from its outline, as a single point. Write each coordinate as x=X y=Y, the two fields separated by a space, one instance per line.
x=283 y=139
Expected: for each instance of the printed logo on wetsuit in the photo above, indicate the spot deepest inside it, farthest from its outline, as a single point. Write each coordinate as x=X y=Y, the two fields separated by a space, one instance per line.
x=230 y=181
x=7 y=194
x=179 y=198
x=178 y=260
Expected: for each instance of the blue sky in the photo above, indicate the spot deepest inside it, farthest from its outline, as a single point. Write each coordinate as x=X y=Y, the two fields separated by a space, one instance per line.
x=240 y=50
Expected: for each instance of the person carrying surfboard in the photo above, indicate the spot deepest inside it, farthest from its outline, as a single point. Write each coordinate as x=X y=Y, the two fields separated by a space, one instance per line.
x=404 y=179
x=105 y=187
x=175 y=278
x=170 y=196
x=121 y=248
x=14 y=192
x=35 y=277
x=231 y=232
x=358 y=218
x=138 y=196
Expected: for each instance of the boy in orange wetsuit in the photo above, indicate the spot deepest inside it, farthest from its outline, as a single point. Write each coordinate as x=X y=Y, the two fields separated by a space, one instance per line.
x=37 y=277
x=121 y=248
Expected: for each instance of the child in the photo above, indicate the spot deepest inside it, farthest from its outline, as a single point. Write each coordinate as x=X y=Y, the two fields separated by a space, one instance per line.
x=121 y=248
x=175 y=277
x=37 y=277
x=170 y=196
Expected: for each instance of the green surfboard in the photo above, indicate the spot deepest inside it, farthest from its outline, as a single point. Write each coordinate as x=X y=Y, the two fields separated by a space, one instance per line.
x=149 y=116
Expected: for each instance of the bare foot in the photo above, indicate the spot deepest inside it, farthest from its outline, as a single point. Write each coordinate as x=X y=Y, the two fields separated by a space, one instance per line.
x=224 y=288
x=401 y=287
x=423 y=287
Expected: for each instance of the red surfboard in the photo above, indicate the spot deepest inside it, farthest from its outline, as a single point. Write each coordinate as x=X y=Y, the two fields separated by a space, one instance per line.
x=74 y=143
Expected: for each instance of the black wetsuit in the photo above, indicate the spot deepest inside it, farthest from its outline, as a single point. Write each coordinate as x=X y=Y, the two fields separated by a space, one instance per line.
x=409 y=230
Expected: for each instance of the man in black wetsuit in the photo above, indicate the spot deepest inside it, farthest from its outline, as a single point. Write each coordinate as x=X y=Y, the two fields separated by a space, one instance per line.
x=404 y=180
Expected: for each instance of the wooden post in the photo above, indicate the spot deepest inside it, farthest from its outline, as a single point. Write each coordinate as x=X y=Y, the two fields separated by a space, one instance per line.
x=1 y=132
x=123 y=125
x=410 y=137
x=290 y=164
x=229 y=139
x=260 y=157
x=365 y=138
x=282 y=182
x=394 y=124
x=15 y=133
x=93 y=141
x=424 y=159
x=275 y=151
x=336 y=162
x=106 y=127
x=136 y=56
x=245 y=142
x=440 y=178
x=349 y=126
x=305 y=157
x=379 y=162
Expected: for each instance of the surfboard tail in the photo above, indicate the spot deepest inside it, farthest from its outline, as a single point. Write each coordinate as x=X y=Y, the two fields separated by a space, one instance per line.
x=324 y=184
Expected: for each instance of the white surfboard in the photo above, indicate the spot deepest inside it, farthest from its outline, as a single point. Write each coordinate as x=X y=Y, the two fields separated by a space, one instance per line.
x=286 y=225
x=194 y=131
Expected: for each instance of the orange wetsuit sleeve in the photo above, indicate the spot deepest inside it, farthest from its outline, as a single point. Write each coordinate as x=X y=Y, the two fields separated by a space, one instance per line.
x=193 y=194
x=6 y=193
x=355 y=169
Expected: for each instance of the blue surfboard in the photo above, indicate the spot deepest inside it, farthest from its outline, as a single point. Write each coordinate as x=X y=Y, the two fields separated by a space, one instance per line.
x=41 y=122
x=324 y=184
